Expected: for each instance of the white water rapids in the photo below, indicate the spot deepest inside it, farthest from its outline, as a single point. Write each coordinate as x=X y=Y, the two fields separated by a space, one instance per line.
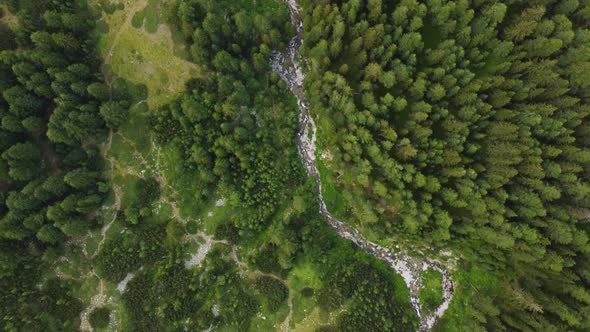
x=408 y=267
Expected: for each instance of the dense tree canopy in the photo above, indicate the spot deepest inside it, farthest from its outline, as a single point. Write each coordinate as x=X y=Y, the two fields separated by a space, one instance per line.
x=464 y=123
x=237 y=124
x=236 y=128
x=441 y=124
x=49 y=166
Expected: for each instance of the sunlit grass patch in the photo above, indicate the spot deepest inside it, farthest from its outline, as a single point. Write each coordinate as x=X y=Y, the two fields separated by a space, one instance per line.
x=74 y=265
x=472 y=284
x=146 y=60
x=305 y=284
x=214 y=215
x=142 y=57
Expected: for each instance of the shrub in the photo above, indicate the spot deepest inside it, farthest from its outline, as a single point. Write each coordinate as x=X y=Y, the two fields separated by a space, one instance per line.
x=99 y=318
x=137 y=20
x=275 y=293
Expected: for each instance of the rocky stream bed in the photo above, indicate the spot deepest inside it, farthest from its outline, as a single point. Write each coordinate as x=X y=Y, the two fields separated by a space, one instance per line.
x=287 y=65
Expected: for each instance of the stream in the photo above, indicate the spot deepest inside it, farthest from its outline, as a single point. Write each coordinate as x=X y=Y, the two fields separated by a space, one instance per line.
x=286 y=65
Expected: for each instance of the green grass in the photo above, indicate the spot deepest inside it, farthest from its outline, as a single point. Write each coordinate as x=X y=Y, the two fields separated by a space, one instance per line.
x=220 y=215
x=314 y=317
x=153 y=76
x=304 y=276
x=256 y=7
x=86 y=290
x=146 y=56
x=126 y=162
x=180 y=49
x=470 y=283
x=431 y=292
x=92 y=244
x=184 y=181
x=75 y=265
x=164 y=78
x=152 y=17
x=136 y=130
x=138 y=18
x=334 y=199
x=266 y=320
x=130 y=194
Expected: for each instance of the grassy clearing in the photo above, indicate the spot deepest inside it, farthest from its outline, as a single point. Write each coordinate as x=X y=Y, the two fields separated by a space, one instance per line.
x=314 y=319
x=431 y=293
x=332 y=196
x=87 y=290
x=184 y=181
x=152 y=16
x=145 y=58
x=304 y=282
x=266 y=321
x=470 y=283
x=74 y=265
x=213 y=215
x=258 y=6
x=91 y=244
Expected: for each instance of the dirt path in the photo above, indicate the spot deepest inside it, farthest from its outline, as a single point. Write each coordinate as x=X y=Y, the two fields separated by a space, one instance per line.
x=116 y=207
x=100 y=298
x=116 y=191
x=96 y=302
x=197 y=259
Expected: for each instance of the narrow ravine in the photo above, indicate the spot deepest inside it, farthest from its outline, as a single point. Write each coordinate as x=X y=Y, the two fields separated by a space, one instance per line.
x=286 y=65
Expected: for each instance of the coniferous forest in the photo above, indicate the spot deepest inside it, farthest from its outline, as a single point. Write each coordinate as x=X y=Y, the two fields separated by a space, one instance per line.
x=152 y=175
x=462 y=124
